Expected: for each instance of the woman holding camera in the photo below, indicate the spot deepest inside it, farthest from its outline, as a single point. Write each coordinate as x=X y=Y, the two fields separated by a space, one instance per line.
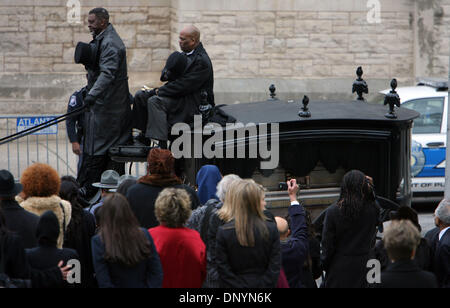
x=349 y=232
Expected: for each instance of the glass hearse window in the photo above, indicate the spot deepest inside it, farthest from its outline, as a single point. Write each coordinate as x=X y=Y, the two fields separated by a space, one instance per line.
x=319 y=166
x=430 y=110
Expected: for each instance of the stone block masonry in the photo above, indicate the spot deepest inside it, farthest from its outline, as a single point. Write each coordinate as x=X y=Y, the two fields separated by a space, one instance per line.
x=303 y=46
x=37 y=44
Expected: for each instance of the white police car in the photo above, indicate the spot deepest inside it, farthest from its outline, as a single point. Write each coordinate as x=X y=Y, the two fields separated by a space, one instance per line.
x=430 y=99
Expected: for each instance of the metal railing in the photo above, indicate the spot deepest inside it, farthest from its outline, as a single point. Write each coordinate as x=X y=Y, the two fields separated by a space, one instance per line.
x=50 y=146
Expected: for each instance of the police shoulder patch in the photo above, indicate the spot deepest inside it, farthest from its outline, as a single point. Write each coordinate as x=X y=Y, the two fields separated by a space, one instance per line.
x=73 y=101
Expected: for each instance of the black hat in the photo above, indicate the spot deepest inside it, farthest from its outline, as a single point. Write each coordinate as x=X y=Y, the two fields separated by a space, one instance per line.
x=406 y=213
x=84 y=54
x=47 y=230
x=175 y=66
x=8 y=188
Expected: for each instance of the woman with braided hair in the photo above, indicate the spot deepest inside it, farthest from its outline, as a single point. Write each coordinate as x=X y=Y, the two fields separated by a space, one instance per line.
x=349 y=232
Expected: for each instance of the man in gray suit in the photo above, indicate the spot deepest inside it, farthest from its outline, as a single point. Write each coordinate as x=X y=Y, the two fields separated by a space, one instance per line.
x=108 y=121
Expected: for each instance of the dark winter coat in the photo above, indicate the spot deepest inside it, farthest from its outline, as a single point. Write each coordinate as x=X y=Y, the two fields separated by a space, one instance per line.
x=432 y=238
x=185 y=91
x=210 y=231
x=406 y=274
x=108 y=123
x=312 y=269
x=294 y=250
x=13 y=256
x=22 y=222
x=142 y=198
x=212 y=275
x=346 y=246
x=442 y=260
x=80 y=240
x=248 y=267
x=146 y=274
x=46 y=255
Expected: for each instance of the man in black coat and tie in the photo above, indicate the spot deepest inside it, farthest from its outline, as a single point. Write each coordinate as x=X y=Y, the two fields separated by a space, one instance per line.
x=178 y=101
x=401 y=239
x=17 y=219
x=442 y=249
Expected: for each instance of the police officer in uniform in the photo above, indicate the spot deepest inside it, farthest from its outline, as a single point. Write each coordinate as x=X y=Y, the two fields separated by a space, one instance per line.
x=75 y=124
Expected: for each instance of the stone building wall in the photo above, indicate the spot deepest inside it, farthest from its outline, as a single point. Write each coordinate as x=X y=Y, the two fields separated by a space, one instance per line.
x=302 y=46
x=37 y=43
x=432 y=19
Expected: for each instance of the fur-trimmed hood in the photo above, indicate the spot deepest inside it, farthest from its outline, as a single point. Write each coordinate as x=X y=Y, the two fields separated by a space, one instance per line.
x=39 y=205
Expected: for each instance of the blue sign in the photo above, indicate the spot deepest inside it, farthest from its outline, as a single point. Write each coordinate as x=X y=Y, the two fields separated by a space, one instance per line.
x=434 y=163
x=28 y=122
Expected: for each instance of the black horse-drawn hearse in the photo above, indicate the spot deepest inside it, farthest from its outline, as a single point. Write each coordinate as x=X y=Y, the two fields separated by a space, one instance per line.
x=315 y=142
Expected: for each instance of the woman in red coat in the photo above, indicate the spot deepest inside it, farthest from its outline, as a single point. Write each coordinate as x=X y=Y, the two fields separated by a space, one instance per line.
x=181 y=250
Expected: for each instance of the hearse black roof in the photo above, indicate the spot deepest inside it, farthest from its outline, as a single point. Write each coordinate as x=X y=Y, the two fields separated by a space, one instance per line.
x=279 y=111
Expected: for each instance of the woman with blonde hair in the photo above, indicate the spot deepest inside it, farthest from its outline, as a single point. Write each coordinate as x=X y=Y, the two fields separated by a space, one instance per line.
x=248 y=244
x=41 y=185
x=206 y=221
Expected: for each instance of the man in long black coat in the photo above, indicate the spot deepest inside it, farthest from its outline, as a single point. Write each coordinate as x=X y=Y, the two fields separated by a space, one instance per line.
x=108 y=122
x=178 y=101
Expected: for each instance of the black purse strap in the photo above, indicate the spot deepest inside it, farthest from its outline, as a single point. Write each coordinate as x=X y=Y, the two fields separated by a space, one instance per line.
x=205 y=223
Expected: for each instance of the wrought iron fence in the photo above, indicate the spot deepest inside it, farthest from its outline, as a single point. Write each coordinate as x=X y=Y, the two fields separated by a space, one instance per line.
x=50 y=146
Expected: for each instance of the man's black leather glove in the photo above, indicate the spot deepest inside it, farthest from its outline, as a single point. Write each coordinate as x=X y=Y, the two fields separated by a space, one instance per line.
x=89 y=100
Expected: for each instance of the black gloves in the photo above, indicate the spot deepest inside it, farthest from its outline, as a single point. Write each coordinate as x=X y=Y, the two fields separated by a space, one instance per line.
x=152 y=92
x=89 y=100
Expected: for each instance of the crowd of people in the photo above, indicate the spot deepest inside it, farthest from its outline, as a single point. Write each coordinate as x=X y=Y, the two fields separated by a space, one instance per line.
x=157 y=232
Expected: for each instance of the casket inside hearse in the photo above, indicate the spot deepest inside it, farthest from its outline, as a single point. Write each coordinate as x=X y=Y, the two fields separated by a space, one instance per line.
x=315 y=143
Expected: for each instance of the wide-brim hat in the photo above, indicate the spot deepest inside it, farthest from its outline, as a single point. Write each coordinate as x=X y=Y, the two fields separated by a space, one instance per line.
x=109 y=179
x=122 y=179
x=8 y=187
